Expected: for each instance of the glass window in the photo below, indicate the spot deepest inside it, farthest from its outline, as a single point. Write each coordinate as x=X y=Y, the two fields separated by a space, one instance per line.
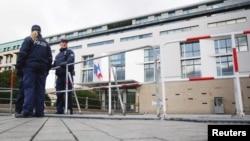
x=179 y=30
x=191 y=68
x=149 y=67
x=190 y=10
x=224 y=65
x=223 y=46
x=87 y=69
x=243 y=20
x=241 y=43
x=87 y=75
x=120 y=72
x=7 y=58
x=11 y=58
x=215 y=5
x=69 y=35
x=141 y=20
x=212 y=25
x=136 y=37
x=221 y=23
x=158 y=17
x=190 y=49
x=88 y=64
x=101 y=43
x=83 y=32
x=75 y=47
x=231 y=22
x=149 y=54
x=97 y=29
x=218 y=101
x=171 y=14
x=149 y=72
x=118 y=61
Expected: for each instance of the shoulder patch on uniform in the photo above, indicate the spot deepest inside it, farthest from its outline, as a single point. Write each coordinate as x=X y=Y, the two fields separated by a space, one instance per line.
x=72 y=54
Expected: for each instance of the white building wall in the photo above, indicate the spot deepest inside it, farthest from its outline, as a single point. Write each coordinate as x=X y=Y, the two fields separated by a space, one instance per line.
x=243 y=60
x=134 y=65
x=208 y=62
x=172 y=58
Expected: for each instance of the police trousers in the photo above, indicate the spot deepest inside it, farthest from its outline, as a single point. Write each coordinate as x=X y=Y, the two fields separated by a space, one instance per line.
x=61 y=96
x=34 y=91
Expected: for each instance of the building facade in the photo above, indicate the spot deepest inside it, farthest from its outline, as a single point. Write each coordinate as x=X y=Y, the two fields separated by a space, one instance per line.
x=160 y=47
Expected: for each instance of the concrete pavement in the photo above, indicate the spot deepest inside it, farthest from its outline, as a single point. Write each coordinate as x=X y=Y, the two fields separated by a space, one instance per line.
x=112 y=128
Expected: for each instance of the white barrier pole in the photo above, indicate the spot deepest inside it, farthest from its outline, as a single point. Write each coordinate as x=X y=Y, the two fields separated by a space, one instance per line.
x=73 y=89
x=238 y=97
x=66 y=89
x=163 y=77
x=163 y=83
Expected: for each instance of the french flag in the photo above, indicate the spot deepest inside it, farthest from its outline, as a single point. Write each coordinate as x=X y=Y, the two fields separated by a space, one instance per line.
x=97 y=71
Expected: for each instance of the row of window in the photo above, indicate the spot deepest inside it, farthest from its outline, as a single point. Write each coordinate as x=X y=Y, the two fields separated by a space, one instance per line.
x=228 y=22
x=142 y=20
x=171 y=31
x=8 y=59
x=190 y=62
x=183 y=29
x=224 y=62
x=13 y=48
x=185 y=11
x=145 y=19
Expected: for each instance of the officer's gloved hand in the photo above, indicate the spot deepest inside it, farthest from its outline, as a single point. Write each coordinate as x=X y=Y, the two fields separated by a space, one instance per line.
x=19 y=73
x=63 y=64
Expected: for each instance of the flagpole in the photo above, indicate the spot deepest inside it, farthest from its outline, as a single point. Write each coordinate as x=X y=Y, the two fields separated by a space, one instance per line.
x=109 y=88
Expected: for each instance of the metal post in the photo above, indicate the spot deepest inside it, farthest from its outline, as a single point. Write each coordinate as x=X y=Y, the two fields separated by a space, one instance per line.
x=86 y=102
x=162 y=77
x=66 y=91
x=109 y=111
x=158 y=100
x=238 y=97
x=77 y=102
x=11 y=87
x=118 y=90
x=138 y=103
x=162 y=82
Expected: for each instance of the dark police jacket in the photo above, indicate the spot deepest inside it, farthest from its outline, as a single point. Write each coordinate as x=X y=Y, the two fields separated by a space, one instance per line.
x=65 y=56
x=34 y=54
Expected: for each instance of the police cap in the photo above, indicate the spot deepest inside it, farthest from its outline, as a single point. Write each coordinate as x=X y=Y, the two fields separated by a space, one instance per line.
x=64 y=40
x=36 y=27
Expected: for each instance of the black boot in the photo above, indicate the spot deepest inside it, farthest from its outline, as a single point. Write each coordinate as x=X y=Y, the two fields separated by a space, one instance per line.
x=71 y=111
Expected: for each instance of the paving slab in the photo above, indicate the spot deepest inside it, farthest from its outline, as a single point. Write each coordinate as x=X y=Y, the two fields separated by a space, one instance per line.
x=113 y=128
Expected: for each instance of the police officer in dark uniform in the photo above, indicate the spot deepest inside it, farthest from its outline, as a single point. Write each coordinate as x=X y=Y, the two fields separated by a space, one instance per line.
x=34 y=59
x=20 y=95
x=65 y=56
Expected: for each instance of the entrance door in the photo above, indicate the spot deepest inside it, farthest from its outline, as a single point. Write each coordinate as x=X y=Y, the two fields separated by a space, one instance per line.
x=218 y=105
x=127 y=95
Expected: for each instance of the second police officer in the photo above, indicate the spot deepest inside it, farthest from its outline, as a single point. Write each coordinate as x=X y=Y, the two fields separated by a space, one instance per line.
x=65 y=56
x=34 y=60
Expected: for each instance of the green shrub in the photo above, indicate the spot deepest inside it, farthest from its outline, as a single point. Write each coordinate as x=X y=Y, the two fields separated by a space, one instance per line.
x=93 y=99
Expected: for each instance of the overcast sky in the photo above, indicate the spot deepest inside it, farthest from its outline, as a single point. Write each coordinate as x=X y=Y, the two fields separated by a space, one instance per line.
x=59 y=16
